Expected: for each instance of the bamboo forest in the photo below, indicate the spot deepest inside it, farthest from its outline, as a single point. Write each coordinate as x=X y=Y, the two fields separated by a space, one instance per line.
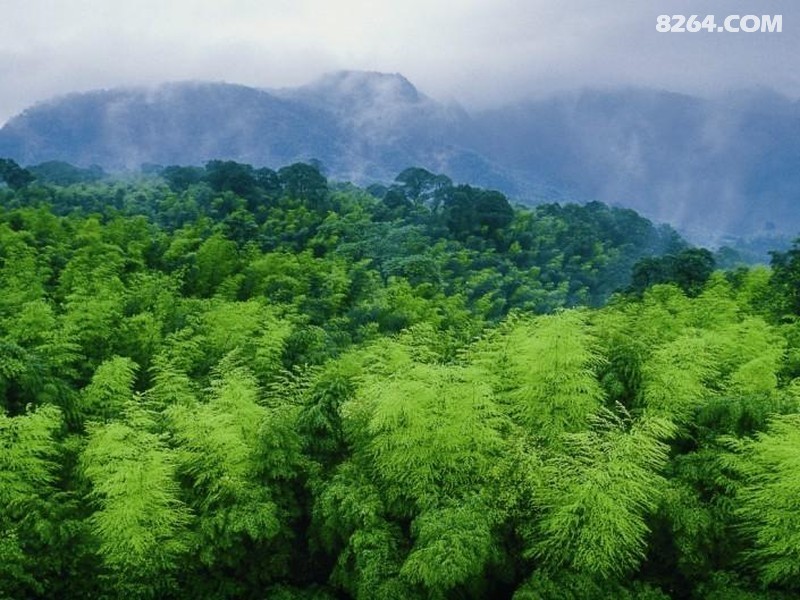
x=235 y=382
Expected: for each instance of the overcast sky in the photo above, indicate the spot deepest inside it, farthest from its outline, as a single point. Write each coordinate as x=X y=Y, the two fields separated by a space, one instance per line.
x=477 y=52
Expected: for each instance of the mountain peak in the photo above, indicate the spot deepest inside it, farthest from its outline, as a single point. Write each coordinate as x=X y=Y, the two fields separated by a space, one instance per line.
x=366 y=87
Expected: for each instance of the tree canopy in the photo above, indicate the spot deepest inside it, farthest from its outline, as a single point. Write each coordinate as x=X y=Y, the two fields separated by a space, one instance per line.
x=231 y=382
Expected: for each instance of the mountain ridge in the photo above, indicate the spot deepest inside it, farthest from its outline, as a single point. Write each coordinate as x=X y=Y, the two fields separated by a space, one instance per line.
x=713 y=166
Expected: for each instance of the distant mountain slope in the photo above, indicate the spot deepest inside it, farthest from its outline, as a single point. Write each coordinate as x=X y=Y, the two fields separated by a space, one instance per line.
x=185 y=123
x=709 y=167
x=389 y=125
x=724 y=165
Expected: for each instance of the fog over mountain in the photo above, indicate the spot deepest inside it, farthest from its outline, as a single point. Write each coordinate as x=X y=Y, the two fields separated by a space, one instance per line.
x=710 y=166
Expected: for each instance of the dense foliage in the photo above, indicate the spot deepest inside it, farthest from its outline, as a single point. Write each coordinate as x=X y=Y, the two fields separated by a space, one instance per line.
x=228 y=382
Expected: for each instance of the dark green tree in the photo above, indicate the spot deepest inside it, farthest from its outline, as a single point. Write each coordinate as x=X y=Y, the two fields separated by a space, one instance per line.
x=13 y=175
x=304 y=182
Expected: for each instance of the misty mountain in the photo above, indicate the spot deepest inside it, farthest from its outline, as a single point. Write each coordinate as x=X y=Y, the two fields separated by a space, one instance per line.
x=727 y=165
x=389 y=125
x=173 y=123
x=711 y=167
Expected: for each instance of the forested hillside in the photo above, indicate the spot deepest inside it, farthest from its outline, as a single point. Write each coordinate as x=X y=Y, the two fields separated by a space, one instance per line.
x=228 y=382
